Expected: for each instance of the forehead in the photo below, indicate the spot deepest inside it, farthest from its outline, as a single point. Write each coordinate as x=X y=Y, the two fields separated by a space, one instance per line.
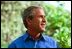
x=39 y=11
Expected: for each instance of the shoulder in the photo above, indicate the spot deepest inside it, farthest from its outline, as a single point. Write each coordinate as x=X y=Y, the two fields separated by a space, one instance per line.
x=17 y=42
x=49 y=39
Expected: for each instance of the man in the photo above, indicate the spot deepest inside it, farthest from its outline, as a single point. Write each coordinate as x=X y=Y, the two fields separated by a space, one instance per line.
x=35 y=22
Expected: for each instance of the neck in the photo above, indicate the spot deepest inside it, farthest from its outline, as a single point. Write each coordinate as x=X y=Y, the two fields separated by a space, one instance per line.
x=34 y=34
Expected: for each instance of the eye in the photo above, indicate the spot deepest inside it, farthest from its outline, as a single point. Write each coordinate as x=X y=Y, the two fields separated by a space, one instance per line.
x=42 y=16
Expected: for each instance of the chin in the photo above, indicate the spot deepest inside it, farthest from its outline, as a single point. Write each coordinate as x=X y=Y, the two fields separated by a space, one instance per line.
x=42 y=30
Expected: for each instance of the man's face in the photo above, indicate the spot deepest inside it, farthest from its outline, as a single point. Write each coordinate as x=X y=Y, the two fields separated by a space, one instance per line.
x=38 y=22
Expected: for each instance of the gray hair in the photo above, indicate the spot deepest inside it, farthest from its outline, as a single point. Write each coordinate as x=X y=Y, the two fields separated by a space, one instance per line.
x=29 y=13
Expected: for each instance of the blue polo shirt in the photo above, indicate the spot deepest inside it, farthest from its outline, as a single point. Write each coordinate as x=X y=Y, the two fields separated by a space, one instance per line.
x=26 y=41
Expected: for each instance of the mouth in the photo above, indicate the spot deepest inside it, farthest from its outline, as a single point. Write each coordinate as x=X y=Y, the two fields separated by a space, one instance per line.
x=43 y=25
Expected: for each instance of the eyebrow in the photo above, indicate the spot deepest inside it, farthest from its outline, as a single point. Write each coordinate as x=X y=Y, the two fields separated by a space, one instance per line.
x=42 y=15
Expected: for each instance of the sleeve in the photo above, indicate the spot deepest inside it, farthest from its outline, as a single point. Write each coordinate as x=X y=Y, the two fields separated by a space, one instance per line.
x=12 y=45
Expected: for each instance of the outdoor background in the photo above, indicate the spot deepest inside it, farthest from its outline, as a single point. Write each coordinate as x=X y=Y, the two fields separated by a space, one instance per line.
x=58 y=15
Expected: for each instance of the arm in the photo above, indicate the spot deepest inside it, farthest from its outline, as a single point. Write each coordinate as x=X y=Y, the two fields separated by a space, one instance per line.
x=12 y=45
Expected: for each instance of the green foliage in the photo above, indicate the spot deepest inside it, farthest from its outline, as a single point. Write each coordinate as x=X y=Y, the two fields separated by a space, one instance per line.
x=58 y=22
x=11 y=22
x=59 y=25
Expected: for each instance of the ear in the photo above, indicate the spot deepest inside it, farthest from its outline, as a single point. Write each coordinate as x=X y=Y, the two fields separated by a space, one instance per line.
x=28 y=21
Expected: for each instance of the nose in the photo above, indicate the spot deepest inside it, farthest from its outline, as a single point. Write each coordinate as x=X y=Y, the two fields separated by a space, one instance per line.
x=44 y=20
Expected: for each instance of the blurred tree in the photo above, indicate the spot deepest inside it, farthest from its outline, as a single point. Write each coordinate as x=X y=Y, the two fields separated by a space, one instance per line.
x=58 y=24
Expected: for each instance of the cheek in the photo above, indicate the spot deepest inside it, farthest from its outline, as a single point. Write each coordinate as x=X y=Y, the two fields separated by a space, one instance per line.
x=37 y=22
x=40 y=21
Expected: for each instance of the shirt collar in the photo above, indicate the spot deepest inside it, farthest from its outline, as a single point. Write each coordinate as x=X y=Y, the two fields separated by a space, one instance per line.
x=44 y=37
x=27 y=36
